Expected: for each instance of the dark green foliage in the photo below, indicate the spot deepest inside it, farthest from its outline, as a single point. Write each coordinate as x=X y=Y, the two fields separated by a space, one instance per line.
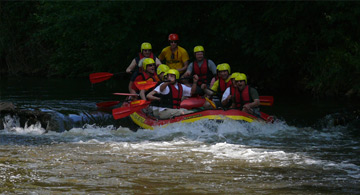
x=18 y=53
x=281 y=46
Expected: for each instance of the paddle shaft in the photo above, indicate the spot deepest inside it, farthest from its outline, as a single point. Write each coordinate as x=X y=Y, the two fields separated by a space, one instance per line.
x=126 y=94
x=113 y=103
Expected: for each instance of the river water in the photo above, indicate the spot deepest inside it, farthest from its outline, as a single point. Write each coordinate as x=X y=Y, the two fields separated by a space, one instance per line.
x=303 y=152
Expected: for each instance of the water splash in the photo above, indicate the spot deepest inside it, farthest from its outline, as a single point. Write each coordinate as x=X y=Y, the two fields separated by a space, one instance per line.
x=12 y=124
x=276 y=152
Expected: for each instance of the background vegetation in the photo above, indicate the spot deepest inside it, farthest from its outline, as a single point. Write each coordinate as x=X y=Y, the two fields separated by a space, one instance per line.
x=290 y=47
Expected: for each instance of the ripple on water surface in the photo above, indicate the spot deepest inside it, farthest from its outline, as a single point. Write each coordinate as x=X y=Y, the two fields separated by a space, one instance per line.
x=199 y=157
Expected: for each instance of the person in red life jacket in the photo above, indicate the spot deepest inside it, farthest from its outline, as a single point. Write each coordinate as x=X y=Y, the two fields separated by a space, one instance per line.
x=226 y=100
x=204 y=68
x=245 y=98
x=172 y=93
x=146 y=52
x=147 y=74
x=175 y=56
x=162 y=74
x=135 y=66
x=220 y=85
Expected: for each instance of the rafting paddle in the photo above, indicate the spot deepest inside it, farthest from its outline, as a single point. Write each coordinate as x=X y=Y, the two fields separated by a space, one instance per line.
x=211 y=102
x=101 y=76
x=127 y=94
x=113 y=103
x=266 y=100
x=131 y=108
x=144 y=85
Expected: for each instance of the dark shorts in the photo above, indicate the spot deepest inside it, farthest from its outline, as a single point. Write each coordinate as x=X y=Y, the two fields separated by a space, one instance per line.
x=199 y=91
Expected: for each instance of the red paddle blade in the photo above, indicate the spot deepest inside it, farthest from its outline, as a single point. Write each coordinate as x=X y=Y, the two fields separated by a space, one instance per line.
x=100 y=77
x=143 y=85
x=127 y=94
x=191 y=103
x=107 y=104
x=266 y=100
x=135 y=106
x=139 y=103
x=121 y=112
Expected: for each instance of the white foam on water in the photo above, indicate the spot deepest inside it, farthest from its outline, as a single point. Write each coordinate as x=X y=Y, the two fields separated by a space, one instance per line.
x=32 y=129
x=253 y=144
x=90 y=133
x=248 y=154
x=11 y=122
x=254 y=134
x=12 y=125
x=211 y=131
x=207 y=138
x=192 y=151
x=351 y=169
x=229 y=131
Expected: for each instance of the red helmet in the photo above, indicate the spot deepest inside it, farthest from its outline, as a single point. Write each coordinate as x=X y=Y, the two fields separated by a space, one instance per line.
x=173 y=37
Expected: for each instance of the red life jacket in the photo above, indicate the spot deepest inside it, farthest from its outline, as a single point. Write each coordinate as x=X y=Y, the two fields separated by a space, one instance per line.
x=173 y=98
x=243 y=97
x=223 y=85
x=147 y=76
x=141 y=56
x=176 y=95
x=232 y=91
x=203 y=72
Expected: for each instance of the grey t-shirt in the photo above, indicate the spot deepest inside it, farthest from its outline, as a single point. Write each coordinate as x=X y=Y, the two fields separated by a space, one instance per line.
x=211 y=66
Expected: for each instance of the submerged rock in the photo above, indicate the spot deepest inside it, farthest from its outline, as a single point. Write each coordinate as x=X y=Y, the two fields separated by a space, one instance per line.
x=26 y=117
x=50 y=120
x=7 y=106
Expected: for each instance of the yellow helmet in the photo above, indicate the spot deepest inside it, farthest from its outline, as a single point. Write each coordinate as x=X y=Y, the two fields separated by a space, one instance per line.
x=162 y=68
x=199 y=48
x=147 y=61
x=234 y=75
x=175 y=72
x=241 y=77
x=145 y=45
x=223 y=66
